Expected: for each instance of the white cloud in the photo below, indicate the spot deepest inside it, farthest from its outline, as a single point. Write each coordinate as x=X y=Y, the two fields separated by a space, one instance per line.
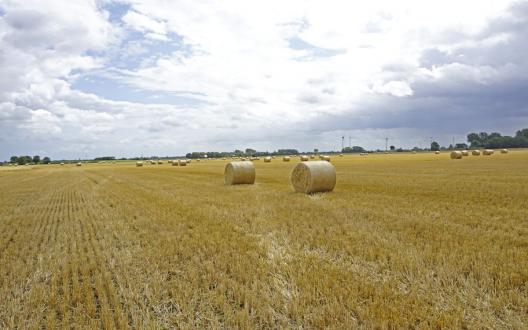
x=258 y=72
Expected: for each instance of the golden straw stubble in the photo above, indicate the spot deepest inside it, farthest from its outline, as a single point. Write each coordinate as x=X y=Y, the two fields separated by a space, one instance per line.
x=313 y=176
x=239 y=173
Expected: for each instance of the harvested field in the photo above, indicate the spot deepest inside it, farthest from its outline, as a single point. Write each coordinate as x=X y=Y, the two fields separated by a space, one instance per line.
x=404 y=241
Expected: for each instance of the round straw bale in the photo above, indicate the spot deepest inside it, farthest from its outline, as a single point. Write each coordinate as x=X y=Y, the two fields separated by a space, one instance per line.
x=304 y=158
x=272 y=157
x=340 y=155
x=313 y=176
x=169 y=161
x=79 y=164
x=286 y=158
x=488 y=152
x=188 y=161
x=267 y=159
x=312 y=157
x=326 y=158
x=182 y=162
x=62 y=164
x=456 y=155
x=160 y=162
x=504 y=151
x=465 y=153
x=174 y=163
x=239 y=173
x=437 y=152
x=475 y=152
x=414 y=152
x=139 y=164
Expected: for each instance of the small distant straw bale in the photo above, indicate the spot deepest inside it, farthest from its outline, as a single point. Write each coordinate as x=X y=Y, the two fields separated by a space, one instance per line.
x=504 y=151
x=313 y=176
x=286 y=158
x=456 y=155
x=239 y=173
x=139 y=164
x=475 y=152
x=267 y=159
x=304 y=158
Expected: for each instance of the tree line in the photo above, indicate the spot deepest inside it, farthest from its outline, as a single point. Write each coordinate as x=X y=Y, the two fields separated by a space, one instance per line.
x=23 y=160
x=496 y=140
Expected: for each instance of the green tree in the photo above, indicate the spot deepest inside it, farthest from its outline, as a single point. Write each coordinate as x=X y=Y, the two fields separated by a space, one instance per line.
x=14 y=159
x=36 y=159
x=435 y=146
x=46 y=160
x=522 y=133
x=483 y=136
x=353 y=149
x=392 y=148
x=473 y=137
x=22 y=160
x=250 y=151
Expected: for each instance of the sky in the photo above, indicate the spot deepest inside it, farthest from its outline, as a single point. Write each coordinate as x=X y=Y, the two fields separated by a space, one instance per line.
x=83 y=79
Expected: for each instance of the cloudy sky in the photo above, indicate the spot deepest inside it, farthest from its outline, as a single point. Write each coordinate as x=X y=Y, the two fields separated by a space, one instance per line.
x=125 y=78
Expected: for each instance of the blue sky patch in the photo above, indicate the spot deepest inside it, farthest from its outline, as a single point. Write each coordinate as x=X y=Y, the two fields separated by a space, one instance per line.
x=316 y=52
x=115 y=91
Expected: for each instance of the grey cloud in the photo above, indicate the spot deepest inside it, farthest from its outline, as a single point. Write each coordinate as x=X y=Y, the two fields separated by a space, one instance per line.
x=479 y=86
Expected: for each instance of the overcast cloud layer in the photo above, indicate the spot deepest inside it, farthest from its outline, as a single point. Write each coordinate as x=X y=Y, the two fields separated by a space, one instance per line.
x=93 y=78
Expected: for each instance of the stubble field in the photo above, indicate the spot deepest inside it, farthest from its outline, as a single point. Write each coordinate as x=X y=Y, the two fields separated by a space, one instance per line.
x=405 y=240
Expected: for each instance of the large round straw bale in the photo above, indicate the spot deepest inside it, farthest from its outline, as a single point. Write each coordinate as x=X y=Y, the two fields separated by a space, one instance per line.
x=139 y=164
x=239 y=173
x=174 y=163
x=267 y=159
x=326 y=158
x=475 y=152
x=340 y=155
x=169 y=161
x=465 y=153
x=62 y=164
x=504 y=151
x=312 y=157
x=304 y=158
x=456 y=155
x=488 y=152
x=79 y=164
x=437 y=152
x=313 y=176
x=286 y=158
x=182 y=162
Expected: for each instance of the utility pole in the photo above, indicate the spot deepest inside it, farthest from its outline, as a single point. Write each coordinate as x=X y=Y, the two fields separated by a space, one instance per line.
x=349 y=141
x=342 y=143
x=386 y=144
